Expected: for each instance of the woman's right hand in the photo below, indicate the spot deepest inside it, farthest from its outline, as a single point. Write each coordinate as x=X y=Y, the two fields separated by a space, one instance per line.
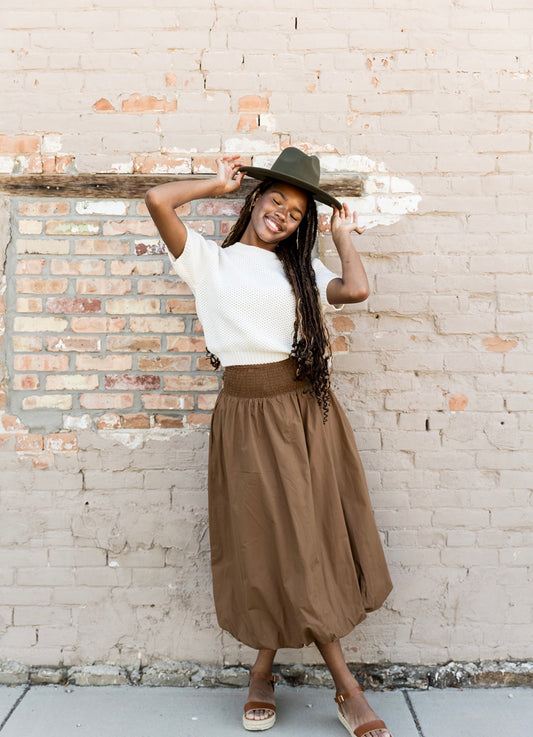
x=228 y=177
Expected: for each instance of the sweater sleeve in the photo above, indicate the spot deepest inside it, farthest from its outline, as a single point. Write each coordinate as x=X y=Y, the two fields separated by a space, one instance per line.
x=198 y=259
x=323 y=277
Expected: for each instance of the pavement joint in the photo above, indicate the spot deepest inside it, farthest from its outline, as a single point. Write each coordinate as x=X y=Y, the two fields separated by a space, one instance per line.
x=413 y=713
x=10 y=712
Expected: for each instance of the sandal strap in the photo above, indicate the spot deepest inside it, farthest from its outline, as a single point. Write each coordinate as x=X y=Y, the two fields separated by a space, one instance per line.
x=267 y=676
x=369 y=727
x=252 y=705
x=343 y=696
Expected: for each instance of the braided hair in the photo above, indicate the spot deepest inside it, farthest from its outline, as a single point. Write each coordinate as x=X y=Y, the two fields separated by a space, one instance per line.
x=310 y=347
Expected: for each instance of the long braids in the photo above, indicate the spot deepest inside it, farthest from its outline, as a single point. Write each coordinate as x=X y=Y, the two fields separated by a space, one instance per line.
x=311 y=347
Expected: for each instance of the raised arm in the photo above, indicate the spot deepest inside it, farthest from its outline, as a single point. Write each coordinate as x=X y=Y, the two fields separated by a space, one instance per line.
x=163 y=200
x=353 y=285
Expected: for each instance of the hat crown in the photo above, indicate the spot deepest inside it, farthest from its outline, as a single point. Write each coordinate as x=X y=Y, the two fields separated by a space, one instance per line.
x=295 y=163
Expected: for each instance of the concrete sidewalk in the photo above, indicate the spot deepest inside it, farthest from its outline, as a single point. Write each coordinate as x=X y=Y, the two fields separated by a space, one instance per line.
x=133 y=711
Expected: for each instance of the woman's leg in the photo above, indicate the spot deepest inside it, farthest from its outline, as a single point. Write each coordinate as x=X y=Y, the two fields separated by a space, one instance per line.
x=356 y=709
x=260 y=689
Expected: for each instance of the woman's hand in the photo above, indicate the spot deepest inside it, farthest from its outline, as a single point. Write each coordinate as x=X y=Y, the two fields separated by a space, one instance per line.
x=228 y=177
x=343 y=221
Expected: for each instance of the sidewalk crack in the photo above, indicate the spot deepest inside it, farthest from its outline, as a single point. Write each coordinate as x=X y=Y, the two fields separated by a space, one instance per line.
x=17 y=702
x=413 y=712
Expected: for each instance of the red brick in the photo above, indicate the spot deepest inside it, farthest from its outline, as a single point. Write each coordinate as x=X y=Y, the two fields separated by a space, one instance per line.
x=40 y=363
x=136 y=422
x=26 y=381
x=204 y=364
x=69 y=343
x=499 y=345
x=198 y=327
x=72 y=306
x=186 y=345
x=109 y=422
x=29 y=304
x=168 y=421
x=62 y=163
x=248 y=122
x=218 y=208
x=61 y=442
x=339 y=345
x=72 y=382
x=26 y=343
x=33 y=266
x=161 y=164
x=164 y=363
x=457 y=402
x=157 y=325
x=28 y=441
x=204 y=164
x=52 y=207
x=97 y=324
x=139 y=104
x=190 y=383
x=181 y=306
x=253 y=103
x=69 y=227
x=19 y=144
x=128 y=381
x=10 y=423
x=103 y=286
x=207 y=401
x=32 y=165
x=48 y=401
x=162 y=286
x=343 y=324
x=143 y=268
x=165 y=401
x=133 y=344
x=137 y=227
x=48 y=164
x=205 y=227
x=131 y=306
x=103 y=106
x=106 y=401
x=107 y=363
x=42 y=286
x=97 y=247
x=198 y=420
x=157 y=248
x=77 y=268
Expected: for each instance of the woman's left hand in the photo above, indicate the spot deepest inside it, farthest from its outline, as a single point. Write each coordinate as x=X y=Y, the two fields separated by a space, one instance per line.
x=343 y=221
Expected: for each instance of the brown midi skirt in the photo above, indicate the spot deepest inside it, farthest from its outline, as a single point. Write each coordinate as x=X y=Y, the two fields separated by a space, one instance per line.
x=296 y=556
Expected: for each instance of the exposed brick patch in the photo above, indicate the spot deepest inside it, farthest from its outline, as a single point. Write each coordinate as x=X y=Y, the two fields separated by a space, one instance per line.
x=100 y=324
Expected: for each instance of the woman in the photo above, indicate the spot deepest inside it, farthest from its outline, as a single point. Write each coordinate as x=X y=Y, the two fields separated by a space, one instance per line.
x=295 y=553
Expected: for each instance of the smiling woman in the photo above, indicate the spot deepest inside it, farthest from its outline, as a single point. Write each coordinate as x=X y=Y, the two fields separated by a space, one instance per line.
x=295 y=553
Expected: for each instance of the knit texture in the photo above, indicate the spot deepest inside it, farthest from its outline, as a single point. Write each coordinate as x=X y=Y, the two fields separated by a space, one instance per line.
x=243 y=299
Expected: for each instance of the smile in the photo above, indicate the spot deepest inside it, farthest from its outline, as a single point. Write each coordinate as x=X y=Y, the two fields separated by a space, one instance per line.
x=272 y=224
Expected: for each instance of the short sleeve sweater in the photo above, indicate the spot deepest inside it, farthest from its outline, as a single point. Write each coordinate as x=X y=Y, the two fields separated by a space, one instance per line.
x=243 y=299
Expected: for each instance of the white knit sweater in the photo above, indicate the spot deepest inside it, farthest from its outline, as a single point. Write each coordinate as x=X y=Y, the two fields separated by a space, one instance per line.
x=243 y=299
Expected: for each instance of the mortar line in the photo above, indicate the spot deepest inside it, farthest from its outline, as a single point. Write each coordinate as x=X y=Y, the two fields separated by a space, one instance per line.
x=17 y=702
x=413 y=713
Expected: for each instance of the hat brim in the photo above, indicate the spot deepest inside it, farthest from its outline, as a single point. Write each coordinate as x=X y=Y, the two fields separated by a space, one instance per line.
x=258 y=172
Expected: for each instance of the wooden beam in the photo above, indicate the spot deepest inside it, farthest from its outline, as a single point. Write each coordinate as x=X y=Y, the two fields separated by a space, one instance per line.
x=132 y=186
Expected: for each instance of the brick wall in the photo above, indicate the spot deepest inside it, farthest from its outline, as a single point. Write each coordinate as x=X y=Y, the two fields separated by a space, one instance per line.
x=103 y=508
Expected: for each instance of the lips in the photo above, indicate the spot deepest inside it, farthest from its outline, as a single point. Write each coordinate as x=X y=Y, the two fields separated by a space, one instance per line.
x=272 y=224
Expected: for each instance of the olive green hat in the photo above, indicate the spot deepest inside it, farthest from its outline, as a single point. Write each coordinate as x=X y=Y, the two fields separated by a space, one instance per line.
x=297 y=168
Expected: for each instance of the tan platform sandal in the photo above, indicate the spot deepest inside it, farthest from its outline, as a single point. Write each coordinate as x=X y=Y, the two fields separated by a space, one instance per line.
x=258 y=725
x=362 y=729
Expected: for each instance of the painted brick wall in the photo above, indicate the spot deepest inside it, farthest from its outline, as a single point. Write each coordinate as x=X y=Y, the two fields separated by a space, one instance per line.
x=104 y=521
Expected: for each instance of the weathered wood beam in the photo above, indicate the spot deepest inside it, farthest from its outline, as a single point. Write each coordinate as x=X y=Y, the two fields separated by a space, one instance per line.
x=129 y=186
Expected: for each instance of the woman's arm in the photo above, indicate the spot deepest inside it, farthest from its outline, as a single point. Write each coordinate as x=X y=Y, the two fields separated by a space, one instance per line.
x=163 y=200
x=353 y=285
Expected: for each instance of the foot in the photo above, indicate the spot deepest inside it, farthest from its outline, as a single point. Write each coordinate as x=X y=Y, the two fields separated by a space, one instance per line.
x=260 y=690
x=357 y=711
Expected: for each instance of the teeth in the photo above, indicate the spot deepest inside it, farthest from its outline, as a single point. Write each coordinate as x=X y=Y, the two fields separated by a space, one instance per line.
x=273 y=224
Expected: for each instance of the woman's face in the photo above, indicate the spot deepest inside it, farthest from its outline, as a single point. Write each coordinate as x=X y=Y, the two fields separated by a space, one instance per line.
x=277 y=213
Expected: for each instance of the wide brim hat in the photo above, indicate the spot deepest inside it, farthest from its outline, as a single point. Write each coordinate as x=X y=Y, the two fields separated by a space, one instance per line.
x=297 y=168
